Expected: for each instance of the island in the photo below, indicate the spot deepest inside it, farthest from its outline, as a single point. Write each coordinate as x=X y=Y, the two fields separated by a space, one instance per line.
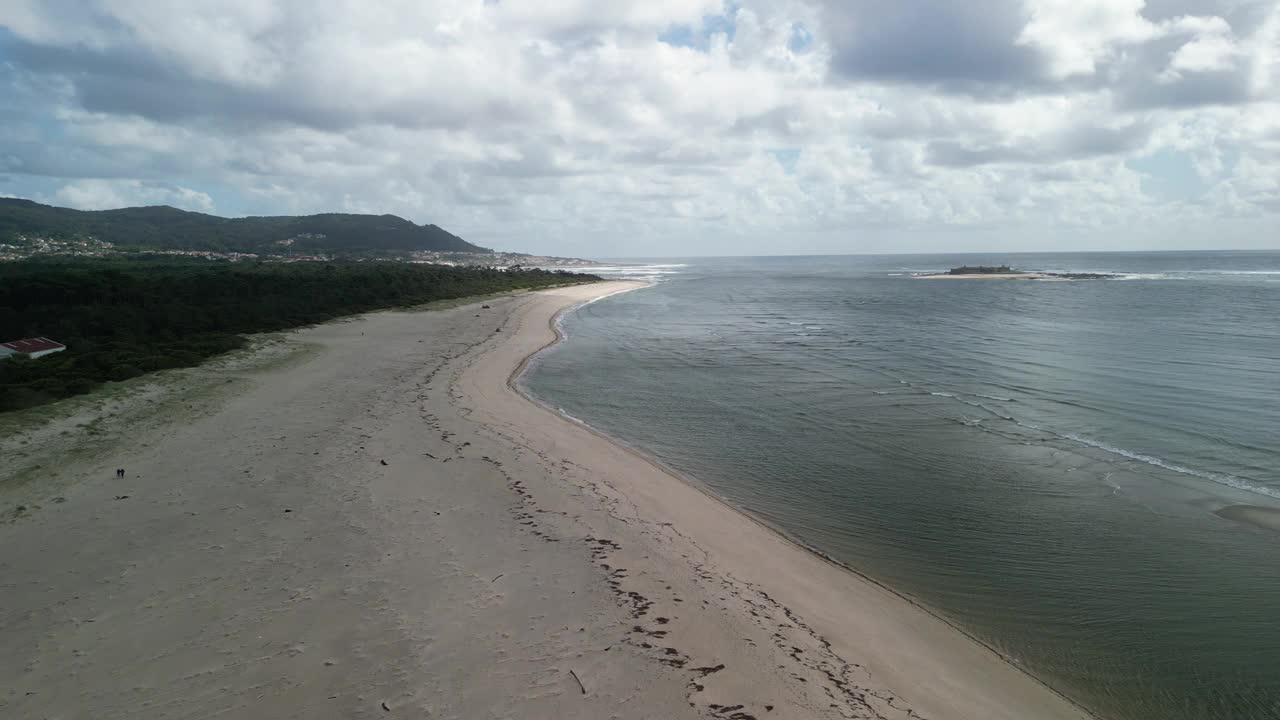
x=1004 y=272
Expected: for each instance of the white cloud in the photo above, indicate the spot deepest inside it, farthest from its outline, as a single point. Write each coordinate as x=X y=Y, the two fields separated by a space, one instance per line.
x=570 y=126
x=93 y=194
x=1078 y=34
x=1206 y=53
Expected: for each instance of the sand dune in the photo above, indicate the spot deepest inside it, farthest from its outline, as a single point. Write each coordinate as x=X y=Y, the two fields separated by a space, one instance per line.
x=385 y=528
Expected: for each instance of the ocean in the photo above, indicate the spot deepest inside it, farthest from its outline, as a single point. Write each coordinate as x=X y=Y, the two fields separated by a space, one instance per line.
x=1038 y=462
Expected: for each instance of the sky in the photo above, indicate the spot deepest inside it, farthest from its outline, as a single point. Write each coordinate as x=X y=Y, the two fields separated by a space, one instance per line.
x=605 y=128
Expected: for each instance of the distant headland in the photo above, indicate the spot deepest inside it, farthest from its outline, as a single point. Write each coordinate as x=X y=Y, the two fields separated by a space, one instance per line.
x=1004 y=272
x=29 y=230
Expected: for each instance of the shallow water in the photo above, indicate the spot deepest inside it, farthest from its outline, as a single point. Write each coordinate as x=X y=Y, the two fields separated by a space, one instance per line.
x=1038 y=461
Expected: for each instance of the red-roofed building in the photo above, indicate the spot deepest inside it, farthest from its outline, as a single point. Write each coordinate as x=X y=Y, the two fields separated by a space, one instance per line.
x=33 y=347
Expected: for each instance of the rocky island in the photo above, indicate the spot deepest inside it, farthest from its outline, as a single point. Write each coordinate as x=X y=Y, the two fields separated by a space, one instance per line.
x=972 y=272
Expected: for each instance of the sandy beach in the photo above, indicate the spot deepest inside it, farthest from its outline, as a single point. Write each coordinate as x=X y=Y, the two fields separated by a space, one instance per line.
x=373 y=522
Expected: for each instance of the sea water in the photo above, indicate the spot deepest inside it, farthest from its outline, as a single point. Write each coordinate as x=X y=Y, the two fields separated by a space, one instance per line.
x=1039 y=462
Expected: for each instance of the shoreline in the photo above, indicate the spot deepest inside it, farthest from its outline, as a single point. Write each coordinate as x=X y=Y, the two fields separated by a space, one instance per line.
x=513 y=382
x=559 y=336
x=388 y=524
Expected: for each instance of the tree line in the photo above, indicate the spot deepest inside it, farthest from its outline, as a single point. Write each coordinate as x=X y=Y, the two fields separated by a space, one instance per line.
x=121 y=319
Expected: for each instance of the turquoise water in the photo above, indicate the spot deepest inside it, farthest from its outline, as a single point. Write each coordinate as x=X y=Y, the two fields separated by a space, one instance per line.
x=1038 y=461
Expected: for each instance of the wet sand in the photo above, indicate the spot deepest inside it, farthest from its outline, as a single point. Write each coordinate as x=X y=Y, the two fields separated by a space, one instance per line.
x=1267 y=518
x=386 y=528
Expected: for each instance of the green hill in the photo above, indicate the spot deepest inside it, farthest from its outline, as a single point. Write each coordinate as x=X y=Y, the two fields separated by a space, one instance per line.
x=167 y=228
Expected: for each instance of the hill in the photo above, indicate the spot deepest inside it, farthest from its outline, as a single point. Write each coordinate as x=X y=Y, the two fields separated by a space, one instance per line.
x=168 y=228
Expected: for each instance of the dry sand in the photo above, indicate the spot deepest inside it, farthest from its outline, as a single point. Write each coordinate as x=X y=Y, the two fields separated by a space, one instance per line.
x=385 y=528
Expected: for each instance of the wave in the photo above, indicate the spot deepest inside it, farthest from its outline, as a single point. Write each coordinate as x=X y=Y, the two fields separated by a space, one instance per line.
x=640 y=270
x=565 y=414
x=1230 y=272
x=994 y=397
x=1220 y=478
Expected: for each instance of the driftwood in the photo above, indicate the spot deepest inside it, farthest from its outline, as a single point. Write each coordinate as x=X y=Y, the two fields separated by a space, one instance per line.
x=580 y=685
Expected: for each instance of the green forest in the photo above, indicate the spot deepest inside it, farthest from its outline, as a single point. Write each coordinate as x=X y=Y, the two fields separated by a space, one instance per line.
x=171 y=228
x=121 y=319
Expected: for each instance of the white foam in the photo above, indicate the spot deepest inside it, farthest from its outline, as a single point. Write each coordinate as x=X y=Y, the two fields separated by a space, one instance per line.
x=1220 y=478
x=1231 y=272
x=567 y=416
x=628 y=270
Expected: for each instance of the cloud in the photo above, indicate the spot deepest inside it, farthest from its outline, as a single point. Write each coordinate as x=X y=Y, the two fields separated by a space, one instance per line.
x=1009 y=48
x=954 y=46
x=108 y=194
x=655 y=127
x=1075 y=143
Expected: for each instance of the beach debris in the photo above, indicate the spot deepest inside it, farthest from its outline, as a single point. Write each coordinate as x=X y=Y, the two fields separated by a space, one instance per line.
x=484 y=307
x=288 y=510
x=433 y=457
x=384 y=462
x=386 y=707
x=497 y=330
x=495 y=578
x=118 y=497
x=579 y=680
